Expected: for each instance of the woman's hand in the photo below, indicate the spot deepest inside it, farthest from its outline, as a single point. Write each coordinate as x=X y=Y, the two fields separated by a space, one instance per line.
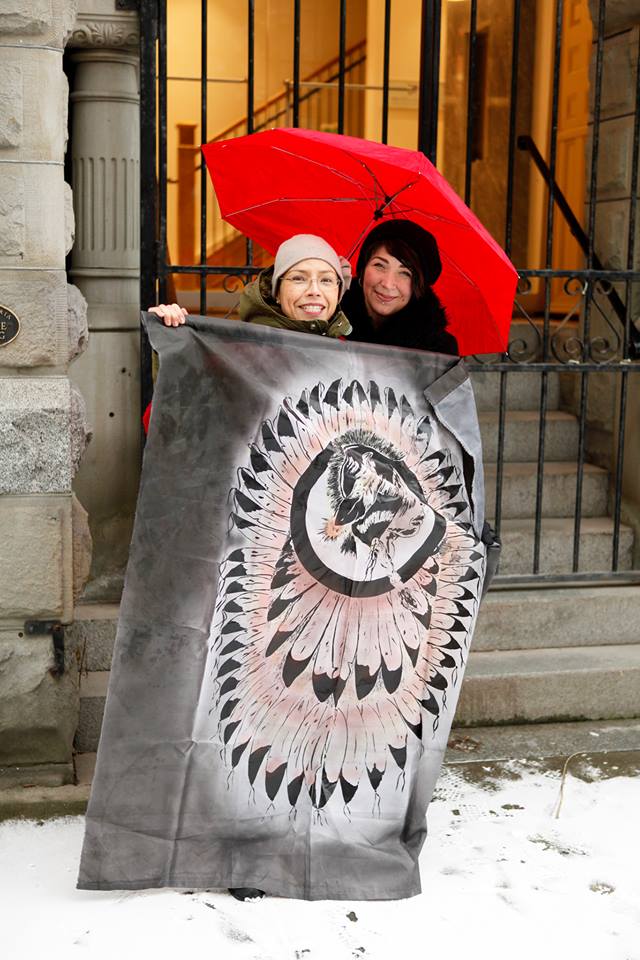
x=171 y=314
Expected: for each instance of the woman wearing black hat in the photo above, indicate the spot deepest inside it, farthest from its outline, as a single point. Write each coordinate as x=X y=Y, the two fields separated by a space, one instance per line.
x=393 y=302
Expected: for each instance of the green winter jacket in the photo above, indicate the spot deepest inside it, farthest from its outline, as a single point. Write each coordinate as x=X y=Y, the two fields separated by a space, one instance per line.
x=258 y=306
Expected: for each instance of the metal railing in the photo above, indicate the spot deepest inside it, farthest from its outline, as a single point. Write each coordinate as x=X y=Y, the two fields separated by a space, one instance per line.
x=592 y=340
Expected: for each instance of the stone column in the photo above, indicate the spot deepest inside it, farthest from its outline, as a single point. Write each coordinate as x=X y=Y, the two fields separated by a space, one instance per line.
x=105 y=266
x=45 y=549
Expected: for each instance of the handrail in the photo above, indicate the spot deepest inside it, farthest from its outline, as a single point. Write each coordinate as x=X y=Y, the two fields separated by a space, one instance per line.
x=361 y=45
x=274 y=112
x=526 y=143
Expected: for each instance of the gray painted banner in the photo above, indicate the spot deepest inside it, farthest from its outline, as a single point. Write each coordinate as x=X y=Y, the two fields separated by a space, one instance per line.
x=302 y=587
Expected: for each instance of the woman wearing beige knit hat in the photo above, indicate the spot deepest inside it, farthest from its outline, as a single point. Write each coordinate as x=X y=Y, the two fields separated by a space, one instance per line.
x=300 y=292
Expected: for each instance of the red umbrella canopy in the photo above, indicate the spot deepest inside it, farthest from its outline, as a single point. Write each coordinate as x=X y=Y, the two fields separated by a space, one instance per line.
x=276 y=183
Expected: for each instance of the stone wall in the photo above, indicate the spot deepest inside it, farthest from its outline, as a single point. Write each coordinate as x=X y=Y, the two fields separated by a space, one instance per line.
x=46 y=550
x=616 y=248
x=102 y=57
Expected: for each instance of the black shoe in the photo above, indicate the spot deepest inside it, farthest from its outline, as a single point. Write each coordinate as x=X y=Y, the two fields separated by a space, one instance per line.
x=246 y=893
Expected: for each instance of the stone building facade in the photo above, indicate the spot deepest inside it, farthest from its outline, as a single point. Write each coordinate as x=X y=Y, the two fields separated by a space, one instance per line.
x=45 y=543
x=55 y=378
x=71 y=374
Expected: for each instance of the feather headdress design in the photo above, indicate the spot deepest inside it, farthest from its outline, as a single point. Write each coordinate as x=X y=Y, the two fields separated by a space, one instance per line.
x=343 y=620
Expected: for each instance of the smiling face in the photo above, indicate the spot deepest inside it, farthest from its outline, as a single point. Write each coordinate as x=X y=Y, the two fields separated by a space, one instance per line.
x=309 y=291
x=387 y=285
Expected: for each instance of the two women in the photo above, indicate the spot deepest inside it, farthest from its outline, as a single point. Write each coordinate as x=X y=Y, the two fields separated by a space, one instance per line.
x=392 y=301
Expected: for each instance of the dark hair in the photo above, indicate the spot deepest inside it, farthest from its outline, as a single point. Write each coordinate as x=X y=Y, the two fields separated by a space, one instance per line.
x=402 y=252
x=411 y=244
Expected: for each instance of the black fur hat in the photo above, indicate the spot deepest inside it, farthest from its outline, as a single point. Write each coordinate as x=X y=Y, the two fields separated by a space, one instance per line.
x=423 y=242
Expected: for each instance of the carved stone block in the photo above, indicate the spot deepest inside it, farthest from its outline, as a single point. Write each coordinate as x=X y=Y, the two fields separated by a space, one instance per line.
x=99 y=24
x=620 y=14
x=615 y=162
x=77 y=322
x=611 y=239
x=618 y=75
x=42 y=22
x=36 y=580
x=33 y=105
x=12 y=214
x=31 y=215
x=43 y=434
x=30 y=17
x=38 y=712
x=11 y=104
x=69 y=219
x=82 y=547
x=39 y=298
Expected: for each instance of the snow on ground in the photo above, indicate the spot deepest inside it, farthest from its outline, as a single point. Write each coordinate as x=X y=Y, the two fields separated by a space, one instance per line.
x=502 y=878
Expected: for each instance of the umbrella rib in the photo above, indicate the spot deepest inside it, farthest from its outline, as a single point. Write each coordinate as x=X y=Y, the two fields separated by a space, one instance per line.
x=459 y=270
x=389 y=200
x=325 y=166
x=357 y=243
x=267 y=203
x=435 y=216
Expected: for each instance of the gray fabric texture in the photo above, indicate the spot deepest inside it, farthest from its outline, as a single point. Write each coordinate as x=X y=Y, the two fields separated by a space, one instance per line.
x=303 y=583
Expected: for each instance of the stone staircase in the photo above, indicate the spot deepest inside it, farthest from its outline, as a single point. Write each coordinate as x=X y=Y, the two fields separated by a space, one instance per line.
x=540 y=656
x=520 y=475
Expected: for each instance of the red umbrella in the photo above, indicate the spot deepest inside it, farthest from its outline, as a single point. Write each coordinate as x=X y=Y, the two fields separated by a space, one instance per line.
x=273 y=184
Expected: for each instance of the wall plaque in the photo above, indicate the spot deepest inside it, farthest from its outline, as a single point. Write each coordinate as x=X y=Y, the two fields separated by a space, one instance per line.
x=9 y=326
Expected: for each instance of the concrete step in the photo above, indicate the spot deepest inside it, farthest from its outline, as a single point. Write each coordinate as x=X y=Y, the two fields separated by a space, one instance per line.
x=615 y=744
x=508 y=620
x=500 y=687
x=521 y=435
x=534 y=686
x=481 y=755
x=556 y=553
x=558 y=492
x=561 y=617
x=523 y=390
x=93 y=693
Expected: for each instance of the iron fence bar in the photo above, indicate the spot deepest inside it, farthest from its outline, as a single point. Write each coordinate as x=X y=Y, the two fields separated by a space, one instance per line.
x=148 y=201
x=296 y=63
x=429 y=78
x=547 y=297
x=341 y=71
x=584 y=380
x=204 y=48
x=566 y=579
x=595 y=144
x=585 y=274
x=553 y=367
x=385 y=71
x=502 y=412
x=584 y=240
x=251 y=42
x=537 y=530
x=513 y=106
x=577 y=517
x=162 y=152
x=525 y=142
x=513 y=100
x=471 y=79
x=631 y=334
x=617 y=507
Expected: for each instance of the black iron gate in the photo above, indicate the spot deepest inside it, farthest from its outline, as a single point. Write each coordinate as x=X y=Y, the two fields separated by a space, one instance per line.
x=577 y=362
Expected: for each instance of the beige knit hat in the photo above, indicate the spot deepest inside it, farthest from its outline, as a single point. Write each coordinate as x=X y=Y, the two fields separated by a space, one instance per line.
x=306 y=246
